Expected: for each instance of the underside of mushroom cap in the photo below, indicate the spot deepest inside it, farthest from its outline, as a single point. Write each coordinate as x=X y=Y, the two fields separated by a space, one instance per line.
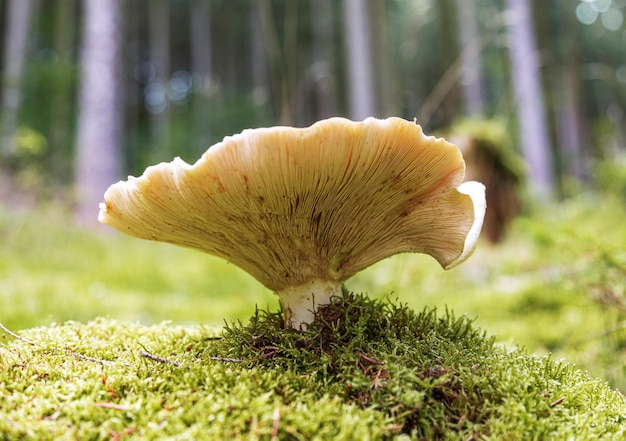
x=292 y=205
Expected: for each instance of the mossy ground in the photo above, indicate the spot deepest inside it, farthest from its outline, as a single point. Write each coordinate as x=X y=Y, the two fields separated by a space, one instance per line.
x=365 y=369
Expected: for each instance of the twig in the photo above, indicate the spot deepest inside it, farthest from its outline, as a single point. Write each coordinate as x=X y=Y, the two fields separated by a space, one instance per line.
x=159 y=359
x=275 y=422
x=85 y=357
x=112 y=406
x=115 y=436
x=228 y=360
x=14 y=335
x=371 y=360
x=557 y=402
x=177 y=364
x=67 y=351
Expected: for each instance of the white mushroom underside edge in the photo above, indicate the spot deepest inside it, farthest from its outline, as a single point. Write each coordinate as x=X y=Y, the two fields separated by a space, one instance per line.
x=476 y=191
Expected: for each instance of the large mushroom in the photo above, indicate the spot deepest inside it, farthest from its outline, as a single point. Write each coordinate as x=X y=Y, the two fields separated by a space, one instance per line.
x=303 y=209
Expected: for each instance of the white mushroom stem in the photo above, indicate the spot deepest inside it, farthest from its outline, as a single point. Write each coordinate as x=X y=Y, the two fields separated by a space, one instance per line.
x=300 y=303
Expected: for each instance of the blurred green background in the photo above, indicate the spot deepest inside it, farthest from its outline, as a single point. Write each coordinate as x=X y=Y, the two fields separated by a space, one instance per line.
x=92 y=93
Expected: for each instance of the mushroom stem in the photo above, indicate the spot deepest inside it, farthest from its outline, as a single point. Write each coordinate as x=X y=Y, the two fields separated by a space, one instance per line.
x=300 y=303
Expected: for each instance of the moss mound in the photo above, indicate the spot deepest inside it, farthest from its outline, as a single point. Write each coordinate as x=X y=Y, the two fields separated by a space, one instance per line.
x=364 y=369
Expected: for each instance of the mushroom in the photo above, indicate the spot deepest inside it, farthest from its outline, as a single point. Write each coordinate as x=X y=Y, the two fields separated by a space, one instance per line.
x=304 y=209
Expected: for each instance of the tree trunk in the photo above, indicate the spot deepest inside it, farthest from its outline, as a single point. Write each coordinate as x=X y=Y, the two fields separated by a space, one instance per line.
x=448 y=107
x=156 y=93
x=471 y=67
x=200 y=40
x=15 y=47
x=567 y=82
x=133 y=85
x=98 y=161
x=290 y=102
x=62 y=101
x=534 y=138
x=385 y=86
x=259 y=59
x=269 y=34
x=325 y=88
x=441 y=105
x=360 y=68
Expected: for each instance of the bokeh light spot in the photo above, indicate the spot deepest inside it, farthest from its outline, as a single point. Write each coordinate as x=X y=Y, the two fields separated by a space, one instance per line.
x=612 y=19
x=180 y=85
x=586 y=14
x=601 y=5
x=155 y=97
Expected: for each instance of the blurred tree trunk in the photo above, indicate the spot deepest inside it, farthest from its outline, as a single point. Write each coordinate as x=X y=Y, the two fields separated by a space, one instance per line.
x=17 y=32
x=271 y=46
x=259 y=62
x=533 y=125
x=471 y=66
x=448 y=108
x=360 y=66
x=567 y=86
x=63 y=99
x=282 y=59
x=325 y=88
x=441 y=104
x=158 y=106
x=386 y=91
x=134 y=84
x=98 y=160
x=200 y=40
x=291 y=98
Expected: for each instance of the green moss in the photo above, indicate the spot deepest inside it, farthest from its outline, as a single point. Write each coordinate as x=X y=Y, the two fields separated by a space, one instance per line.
x=365 y=369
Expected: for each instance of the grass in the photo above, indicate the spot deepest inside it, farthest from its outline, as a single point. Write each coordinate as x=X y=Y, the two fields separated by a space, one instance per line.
x=555 y=288
x=364 y=369
x=51 y=272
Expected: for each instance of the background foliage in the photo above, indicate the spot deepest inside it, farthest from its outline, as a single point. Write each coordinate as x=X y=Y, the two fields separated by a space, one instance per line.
x=269 y=62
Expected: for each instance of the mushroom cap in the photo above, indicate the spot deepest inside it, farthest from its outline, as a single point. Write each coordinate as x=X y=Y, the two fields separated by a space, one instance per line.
x=292 y=205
